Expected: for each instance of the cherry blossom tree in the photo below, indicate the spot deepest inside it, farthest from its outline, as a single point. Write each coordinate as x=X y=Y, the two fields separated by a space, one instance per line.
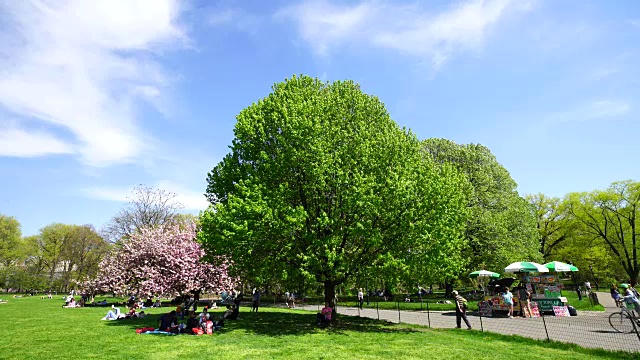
x=163 y=260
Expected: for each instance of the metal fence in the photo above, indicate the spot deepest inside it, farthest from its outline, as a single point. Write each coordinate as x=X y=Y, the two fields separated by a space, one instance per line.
x=610 y=330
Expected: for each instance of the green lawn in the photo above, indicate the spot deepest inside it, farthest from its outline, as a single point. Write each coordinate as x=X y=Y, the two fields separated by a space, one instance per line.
x=572 y=298
x=32 y=328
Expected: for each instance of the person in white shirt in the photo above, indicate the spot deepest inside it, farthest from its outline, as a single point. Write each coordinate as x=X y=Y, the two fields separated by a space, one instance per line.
x=360 y=298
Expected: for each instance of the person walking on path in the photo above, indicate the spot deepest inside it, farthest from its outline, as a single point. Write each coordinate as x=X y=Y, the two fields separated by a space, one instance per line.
x=360 y=298
x=461 y=310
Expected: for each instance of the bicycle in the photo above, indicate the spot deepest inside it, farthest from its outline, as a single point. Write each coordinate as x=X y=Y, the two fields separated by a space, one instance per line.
x=625 y=321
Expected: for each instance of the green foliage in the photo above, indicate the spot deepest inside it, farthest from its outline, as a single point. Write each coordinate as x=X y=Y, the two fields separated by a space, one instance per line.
x=321 y=184
x=57 y=256
x=554 y=222
x=609 y=219
x=10 y=236
x=500 y=227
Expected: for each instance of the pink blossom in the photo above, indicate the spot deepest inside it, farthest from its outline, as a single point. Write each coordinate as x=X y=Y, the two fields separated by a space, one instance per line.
x=160 y=261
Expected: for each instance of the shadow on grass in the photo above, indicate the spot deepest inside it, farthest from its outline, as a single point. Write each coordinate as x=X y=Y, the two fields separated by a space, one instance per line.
x=281 y=323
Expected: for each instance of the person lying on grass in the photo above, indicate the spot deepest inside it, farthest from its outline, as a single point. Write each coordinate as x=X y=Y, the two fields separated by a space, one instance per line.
x=113 y=314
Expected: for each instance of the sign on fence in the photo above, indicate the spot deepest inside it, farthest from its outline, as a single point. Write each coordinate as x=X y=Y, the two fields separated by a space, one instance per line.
x=561 y=311
x=535 y=311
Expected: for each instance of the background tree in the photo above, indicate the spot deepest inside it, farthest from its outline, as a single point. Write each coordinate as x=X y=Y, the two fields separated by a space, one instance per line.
x=52 y=241
x=85 y=251
x=10 y=238
x=553 y=221
x=59 y=254
x=321 y=183
x=161 y=260
x=611 y=216
x=146 y=207
x=500 y=228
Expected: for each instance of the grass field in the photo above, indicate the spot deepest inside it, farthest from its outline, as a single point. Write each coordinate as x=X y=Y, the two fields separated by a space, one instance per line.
x=31 y=328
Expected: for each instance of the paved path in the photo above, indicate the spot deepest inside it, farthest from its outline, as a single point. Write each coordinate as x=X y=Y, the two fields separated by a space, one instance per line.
x=589 y=329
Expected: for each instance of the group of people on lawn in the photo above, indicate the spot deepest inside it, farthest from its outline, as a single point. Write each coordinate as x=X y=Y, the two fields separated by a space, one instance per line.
x=200 y=324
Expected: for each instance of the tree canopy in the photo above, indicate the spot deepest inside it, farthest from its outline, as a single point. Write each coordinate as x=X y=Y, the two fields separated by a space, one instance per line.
x=146 y=207
x=500 y=228
x=320 y=183
x=160 y=260
x=10 y=237
x=611 y=217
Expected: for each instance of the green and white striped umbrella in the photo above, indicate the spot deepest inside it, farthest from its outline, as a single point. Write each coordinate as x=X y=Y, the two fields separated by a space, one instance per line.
x=525 y=266
x=558 y=266
x=484 y=274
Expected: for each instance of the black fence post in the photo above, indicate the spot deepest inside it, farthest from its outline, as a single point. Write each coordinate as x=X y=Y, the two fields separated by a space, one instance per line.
x=377 y=310
x=428 y=316
x=480 y=316
x=545 y=325
x=398 y=303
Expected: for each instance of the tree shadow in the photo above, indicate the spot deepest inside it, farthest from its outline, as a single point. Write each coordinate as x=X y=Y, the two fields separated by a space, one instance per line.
x=281 y=323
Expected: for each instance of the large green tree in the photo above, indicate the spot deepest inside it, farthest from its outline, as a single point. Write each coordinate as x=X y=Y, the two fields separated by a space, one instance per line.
x=500 y=228
x=321 y=183
x=554 y=222
x=612 y=216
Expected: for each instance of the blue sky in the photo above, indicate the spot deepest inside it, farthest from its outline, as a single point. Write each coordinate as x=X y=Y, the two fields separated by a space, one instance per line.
x=99 y=96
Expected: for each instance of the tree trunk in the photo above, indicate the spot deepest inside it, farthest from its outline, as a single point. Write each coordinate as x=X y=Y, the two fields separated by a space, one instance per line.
x=196 y=298
x=330 y=296
x=448 y=288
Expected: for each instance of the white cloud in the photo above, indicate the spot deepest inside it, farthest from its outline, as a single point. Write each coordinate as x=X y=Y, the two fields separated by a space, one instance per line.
x=191 y=200
x=599 y=109
x=635 y=22
x=82 y=66
x=20 y=143
x=405 y=28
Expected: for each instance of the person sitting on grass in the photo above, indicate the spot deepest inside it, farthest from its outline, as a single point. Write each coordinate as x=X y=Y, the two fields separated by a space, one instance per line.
x=71 y=304
x=168 y=321
x=192 y=323
x=232 y=313
x=324 y=316
x=204 y=315
x=157 y=304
